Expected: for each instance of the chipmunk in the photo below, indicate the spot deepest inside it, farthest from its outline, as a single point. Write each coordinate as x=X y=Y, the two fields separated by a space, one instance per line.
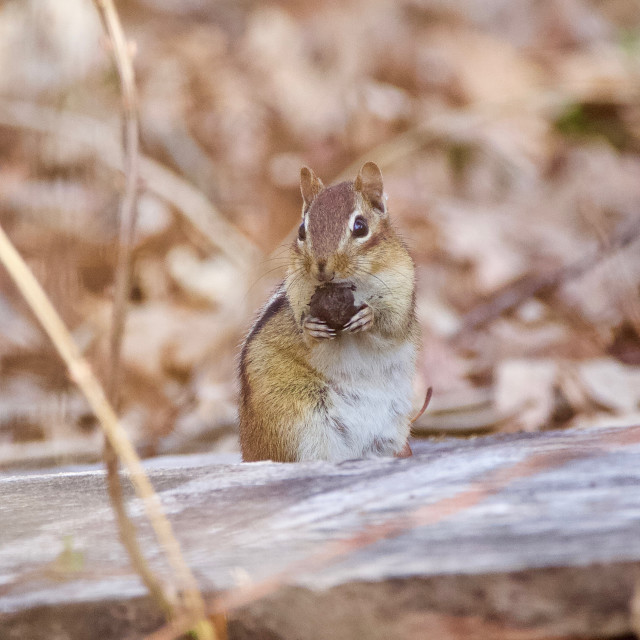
x=326 y=370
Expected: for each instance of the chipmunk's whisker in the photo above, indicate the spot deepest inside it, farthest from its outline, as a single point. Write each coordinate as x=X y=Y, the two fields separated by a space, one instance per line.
x=373 y=275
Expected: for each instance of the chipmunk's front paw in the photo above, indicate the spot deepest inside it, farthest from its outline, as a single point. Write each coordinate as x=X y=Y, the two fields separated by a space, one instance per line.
x=360 y=321
x=318 y=329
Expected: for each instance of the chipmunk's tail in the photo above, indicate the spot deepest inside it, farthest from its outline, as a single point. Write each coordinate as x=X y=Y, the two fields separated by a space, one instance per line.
x=427 y=400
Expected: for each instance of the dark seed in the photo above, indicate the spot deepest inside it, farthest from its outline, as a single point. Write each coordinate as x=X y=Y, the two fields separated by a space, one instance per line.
x=334 y=303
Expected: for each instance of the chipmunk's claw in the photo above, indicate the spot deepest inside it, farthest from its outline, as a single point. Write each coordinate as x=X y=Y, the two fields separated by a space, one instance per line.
x=360 y=321
x=318 y=329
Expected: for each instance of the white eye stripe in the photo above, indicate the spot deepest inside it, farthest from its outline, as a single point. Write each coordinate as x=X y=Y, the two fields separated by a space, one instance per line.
x=303 y=226
x=305 y=222
x=352 y=221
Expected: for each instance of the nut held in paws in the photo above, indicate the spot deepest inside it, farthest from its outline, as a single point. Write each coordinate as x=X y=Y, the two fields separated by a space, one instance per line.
x=334 y=303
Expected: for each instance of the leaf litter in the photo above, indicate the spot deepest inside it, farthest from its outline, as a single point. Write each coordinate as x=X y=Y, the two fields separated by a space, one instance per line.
x=509 y=138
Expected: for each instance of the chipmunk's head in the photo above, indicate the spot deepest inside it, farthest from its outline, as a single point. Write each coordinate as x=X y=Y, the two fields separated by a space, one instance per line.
x=342 y=226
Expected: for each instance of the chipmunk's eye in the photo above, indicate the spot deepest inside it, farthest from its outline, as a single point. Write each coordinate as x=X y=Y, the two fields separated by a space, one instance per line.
x=302 y=234
x=360 y=227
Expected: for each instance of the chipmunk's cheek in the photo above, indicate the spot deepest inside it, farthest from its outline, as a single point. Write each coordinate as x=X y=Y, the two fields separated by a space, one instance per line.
x=308 y=263
x=366 y=293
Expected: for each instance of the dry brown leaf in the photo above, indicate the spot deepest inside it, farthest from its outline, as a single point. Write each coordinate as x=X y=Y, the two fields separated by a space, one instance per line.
x=611 y=384
x=525 y=389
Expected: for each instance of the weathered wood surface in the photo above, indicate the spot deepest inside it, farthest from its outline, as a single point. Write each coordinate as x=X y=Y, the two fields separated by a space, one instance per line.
x=519 y=537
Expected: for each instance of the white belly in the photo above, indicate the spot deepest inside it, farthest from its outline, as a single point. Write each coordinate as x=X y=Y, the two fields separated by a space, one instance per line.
x=367 y=408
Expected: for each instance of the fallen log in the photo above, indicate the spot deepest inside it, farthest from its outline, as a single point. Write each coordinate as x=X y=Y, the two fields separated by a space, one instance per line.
x=520 y=537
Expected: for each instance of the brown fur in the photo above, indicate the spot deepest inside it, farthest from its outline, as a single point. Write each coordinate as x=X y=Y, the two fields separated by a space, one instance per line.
x=278 y=386
x=328 y=217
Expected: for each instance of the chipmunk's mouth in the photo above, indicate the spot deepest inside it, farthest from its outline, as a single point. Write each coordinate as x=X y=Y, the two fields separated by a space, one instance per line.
x=334 y=303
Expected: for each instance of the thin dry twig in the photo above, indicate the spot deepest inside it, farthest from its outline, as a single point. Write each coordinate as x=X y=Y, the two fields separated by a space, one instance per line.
x=82 y=374
x=180 y=625
x=190 y=592
x=128 y=209
x=127 y=214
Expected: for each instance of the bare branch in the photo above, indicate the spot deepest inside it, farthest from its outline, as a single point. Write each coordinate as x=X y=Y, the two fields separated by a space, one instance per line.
x=83 y=376
x=127 y=215
x=192 y=598
x=128 y=209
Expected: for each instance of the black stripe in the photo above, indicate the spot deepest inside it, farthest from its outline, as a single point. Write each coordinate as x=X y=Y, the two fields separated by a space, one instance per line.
x=279 y=302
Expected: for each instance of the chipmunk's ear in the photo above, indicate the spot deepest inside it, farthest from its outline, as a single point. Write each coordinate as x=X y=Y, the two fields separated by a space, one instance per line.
x=310 y=186
x=369 y=184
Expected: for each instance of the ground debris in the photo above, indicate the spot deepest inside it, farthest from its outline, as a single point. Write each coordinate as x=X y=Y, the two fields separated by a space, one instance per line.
x=510 y=146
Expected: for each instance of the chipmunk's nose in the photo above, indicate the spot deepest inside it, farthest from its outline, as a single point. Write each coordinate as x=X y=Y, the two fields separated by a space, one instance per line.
x=322 y=273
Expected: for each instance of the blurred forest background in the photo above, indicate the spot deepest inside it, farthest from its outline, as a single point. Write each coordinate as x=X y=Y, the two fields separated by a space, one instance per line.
x=509 y=138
